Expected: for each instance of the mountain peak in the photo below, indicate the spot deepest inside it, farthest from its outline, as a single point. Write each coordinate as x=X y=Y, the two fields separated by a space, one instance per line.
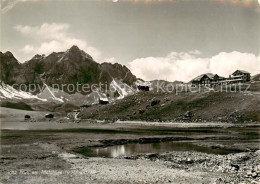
x=37 y=56
x=76 y=52
x=9 y=54
x=74 y=48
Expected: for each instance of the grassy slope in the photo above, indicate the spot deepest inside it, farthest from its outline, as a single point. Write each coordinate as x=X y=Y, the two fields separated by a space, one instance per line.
x=18 y=105
x=210 y=106
x=15 y=115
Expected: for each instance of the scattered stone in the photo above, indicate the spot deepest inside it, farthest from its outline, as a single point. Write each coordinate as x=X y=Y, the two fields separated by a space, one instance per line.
x=27 y=117
x=141 y=111
x=234 y=167
x=254 y=174
x=188 y=115
x=189 y=161
x=155 y=102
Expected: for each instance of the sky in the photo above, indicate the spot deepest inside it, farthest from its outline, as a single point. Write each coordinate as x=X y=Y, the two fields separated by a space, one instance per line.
x=156 y=39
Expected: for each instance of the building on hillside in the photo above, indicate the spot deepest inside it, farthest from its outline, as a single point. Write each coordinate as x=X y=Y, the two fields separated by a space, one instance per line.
x=212 y=80
x=217 y=80
x=103 y=101
x=239 y=76
x=143 y=87
x=208 y=79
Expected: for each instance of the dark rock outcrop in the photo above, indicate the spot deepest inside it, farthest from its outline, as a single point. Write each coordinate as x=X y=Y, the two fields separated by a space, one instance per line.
x=9 y=67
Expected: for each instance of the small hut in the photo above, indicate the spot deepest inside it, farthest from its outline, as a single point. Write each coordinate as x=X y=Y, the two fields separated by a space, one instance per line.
x=143 y=87
x=103 y=101
x=49 y=116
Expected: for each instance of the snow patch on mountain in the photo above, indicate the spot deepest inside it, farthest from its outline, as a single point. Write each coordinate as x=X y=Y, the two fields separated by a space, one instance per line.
x=122 y=88
x=93 y=98
x=8 y=92
x=115 y=86
x=52 y=94
x=59 y=96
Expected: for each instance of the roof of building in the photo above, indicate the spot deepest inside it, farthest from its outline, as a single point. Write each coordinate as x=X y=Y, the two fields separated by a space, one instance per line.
x=103 y=99
x=210 y=75
x=142 y=83
x=243 y=71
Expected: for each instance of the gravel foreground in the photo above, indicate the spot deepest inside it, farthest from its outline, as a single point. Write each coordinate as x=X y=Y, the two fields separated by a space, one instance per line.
x=57 y=166
x=44 y=156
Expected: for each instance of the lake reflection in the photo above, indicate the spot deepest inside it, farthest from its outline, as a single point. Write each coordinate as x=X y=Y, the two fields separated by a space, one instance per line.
x=131 y=149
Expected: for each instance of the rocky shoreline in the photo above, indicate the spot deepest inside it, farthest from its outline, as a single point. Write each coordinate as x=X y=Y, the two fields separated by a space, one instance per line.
x=240 y=167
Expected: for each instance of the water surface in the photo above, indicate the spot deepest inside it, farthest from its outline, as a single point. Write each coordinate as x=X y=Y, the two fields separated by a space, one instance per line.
x=137 y=148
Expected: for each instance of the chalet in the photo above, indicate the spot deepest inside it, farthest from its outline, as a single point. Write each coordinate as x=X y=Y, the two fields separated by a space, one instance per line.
x=217 y=80
x=143 y=87
x=208 y=79
x=103 y=101
x=239 y=76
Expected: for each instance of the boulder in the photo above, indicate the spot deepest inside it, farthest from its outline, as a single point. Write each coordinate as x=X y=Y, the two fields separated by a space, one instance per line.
x=141 y=111
x=27 y=117
x=188 y=114
x=155 y=102
x=49 y=116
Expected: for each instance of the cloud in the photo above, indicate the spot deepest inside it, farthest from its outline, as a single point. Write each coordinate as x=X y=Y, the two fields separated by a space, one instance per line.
x=53 y=37
x=28 y=49
x=225 y=63
x=7 y=5
x=186 y=66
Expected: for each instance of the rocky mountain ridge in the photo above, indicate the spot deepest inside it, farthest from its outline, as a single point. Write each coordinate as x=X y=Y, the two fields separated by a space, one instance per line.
x=52 y=76
x=70 y=67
